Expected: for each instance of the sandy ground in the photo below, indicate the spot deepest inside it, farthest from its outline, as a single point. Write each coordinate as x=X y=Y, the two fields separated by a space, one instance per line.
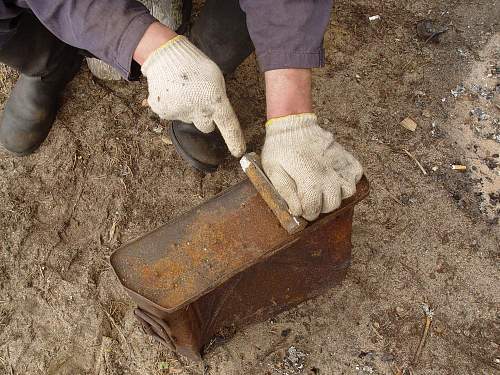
x=104 y=176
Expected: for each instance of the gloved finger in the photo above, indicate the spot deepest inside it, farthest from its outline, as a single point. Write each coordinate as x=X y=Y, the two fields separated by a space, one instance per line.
x=348 y=187
x=204 y=123
x=286 y=187
x=229 y=127
x=344 y=163
x=311 y=200
x=332 y=195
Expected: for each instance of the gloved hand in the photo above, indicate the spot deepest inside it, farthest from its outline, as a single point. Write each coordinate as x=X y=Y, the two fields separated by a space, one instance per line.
x=311 y=171
x=186 y=85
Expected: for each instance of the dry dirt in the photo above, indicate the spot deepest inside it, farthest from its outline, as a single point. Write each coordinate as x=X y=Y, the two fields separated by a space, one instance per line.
x=104 y=176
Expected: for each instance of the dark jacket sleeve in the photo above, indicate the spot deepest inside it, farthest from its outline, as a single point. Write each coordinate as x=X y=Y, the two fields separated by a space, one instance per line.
x=109 y=29
x=288 y=33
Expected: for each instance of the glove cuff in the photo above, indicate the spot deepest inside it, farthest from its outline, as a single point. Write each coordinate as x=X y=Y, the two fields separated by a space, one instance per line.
x=178 y=51
x=291 y=123
x=291 y=120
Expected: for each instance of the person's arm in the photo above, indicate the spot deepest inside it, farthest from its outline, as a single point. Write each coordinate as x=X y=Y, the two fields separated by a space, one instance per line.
x=183 y=83
x=309 y=169
x=110 y=29
x=288 y=91
x=154 y=37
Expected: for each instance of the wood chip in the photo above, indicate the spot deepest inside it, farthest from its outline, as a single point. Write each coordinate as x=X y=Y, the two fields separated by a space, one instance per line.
x=409 y=124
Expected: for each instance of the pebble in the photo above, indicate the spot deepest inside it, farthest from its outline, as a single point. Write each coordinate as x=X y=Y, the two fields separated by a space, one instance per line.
x=158 y=129
x=166 y=140
x=438 y=330
x=286 y=332
x=387 y=357
x=400 y=311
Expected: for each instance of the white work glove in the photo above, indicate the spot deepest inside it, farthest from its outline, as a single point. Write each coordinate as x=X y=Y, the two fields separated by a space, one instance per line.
x=184 y=84
x=311 y=171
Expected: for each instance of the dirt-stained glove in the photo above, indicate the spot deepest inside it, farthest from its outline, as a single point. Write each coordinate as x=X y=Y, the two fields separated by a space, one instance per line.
x=311 y=171
x=184 y=84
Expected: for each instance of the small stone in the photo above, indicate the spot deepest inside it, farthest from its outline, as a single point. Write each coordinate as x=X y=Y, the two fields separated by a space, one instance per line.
x=166 y=140
x=387 y=357
x=458 y=91
x=145 y=103
x=295 y=358
x=479 y=114
x=438 y=329
x=376 y=325
x=434 y=169
x=400 y=311
x=367 y=356
x=286 y=332
x=426 y=113
x=158 y=129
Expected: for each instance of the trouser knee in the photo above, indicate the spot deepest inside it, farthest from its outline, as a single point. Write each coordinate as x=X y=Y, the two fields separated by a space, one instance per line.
x=30 y=48
x=221 y=33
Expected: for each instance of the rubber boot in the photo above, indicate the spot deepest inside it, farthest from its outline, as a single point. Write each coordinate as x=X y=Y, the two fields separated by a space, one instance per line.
x=46 y=65
x=221 y=33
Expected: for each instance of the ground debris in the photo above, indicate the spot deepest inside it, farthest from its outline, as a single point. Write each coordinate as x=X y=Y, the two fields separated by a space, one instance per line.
x=483 y=91
x=424 y=172
x=459 y=167
x=458 y=91
x=479 y=114
x=409 y=124
x=429 y=30
x=429 y=314
x=295 y=358
x=165 y=139
x=158 y=129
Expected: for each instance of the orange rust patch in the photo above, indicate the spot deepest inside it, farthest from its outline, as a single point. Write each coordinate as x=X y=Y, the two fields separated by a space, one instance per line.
x=216 y=245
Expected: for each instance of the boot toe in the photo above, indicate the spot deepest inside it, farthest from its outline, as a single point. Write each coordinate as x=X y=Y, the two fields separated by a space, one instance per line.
x=202 y=151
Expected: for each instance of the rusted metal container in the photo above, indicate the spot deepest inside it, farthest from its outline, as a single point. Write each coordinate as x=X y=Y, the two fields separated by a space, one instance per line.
x=228 y=263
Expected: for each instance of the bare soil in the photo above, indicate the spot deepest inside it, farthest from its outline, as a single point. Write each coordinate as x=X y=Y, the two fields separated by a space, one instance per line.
x=104 y=176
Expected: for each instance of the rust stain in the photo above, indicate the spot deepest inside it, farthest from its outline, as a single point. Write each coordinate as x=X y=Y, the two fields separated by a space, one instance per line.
x=216 y=244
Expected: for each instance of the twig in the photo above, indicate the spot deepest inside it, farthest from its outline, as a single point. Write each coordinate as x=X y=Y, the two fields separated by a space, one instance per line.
x=416 y=161
x=9 y=364
x=429 y=313
x=101 y=360
x=117 y=327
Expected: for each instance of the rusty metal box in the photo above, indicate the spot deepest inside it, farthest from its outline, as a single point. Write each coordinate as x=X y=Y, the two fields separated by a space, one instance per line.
x=228 y=263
